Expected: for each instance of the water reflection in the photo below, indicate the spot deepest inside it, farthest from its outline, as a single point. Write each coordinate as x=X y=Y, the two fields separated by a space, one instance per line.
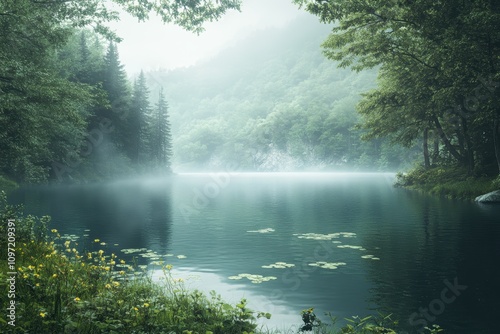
x=420 y=240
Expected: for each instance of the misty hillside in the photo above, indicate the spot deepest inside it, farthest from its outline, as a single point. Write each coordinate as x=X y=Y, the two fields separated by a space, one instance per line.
x=271 y=101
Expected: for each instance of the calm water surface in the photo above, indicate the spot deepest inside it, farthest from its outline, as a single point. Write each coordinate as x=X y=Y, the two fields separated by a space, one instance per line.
x=426 y=245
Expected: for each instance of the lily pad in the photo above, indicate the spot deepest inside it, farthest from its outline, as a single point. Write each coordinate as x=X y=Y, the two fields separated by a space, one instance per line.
x=329 y=236
x=279 y=265
x=264 y=230
x=327 y=265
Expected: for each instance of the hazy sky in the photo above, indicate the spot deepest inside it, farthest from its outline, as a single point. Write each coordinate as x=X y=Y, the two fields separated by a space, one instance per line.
x=152 y=45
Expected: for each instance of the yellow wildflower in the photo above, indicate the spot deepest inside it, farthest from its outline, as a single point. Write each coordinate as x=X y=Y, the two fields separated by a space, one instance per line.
x=116 y=284
x=53 y=230
x=107 y=286
x=43 y=314
x=122 y=261
x=77 y=299
x=54 y=276
x=146 y=305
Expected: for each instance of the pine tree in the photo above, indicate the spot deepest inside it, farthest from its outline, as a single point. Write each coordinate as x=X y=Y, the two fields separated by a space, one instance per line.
x=161 y=138
x=139 y=120
x=116 y=85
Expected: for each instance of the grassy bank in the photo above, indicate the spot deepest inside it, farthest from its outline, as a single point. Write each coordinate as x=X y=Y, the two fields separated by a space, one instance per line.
x=449 y=182
x=60 y=288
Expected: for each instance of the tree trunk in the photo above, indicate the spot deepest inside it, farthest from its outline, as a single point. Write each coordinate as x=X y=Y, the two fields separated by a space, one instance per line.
x=427 y=163
x=435 y=152
x=469 y=151
x=496 y=141
x=447 y=142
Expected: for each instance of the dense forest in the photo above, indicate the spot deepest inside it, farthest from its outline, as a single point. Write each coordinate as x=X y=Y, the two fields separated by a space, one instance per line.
x=438 y=75
x=274 y=103
x=424 y=88
x=67 y=109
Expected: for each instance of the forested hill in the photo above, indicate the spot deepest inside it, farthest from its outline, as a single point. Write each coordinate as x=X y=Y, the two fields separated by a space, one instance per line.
x=272 y=102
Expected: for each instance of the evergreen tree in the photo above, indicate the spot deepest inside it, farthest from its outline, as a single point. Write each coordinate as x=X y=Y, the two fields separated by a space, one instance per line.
x=116 y=85
x=161 y=138
x=139 y=120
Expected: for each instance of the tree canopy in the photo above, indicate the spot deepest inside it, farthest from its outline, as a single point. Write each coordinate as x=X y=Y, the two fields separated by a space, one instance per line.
x=50 y=94
x=439 y=70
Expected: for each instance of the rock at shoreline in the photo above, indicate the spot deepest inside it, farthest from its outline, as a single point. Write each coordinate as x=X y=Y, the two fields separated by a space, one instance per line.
x=492 y=197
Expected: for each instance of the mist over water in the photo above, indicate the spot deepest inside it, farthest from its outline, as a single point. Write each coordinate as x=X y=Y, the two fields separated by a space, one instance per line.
x=229 y=223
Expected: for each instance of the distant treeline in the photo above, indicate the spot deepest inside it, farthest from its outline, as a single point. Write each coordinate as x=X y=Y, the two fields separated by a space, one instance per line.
x=273 y=102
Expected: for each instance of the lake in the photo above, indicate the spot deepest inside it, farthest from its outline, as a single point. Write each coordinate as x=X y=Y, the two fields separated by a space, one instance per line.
x=357 y=244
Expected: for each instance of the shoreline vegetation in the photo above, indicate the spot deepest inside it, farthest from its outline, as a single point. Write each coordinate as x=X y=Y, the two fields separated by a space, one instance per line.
x=60 y=288
x=450 y=182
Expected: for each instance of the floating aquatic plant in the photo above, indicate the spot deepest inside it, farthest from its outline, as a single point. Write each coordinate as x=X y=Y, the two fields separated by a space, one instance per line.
x=256 y=279
x=181 y=256
x=329 y=236
x=133 y=250
x=70 y=237
x=279 y=265
x=352 y=247
x=264 y=230
x=327 y=265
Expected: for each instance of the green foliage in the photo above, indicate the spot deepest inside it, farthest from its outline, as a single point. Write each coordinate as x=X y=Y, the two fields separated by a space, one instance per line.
x=453 y=182
x=51 y=78
x=380 y=324
x=438 y=72
x=310 y=320
x=160 y=138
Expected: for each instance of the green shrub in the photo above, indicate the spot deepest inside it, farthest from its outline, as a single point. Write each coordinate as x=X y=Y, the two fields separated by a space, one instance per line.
x=451 y=182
